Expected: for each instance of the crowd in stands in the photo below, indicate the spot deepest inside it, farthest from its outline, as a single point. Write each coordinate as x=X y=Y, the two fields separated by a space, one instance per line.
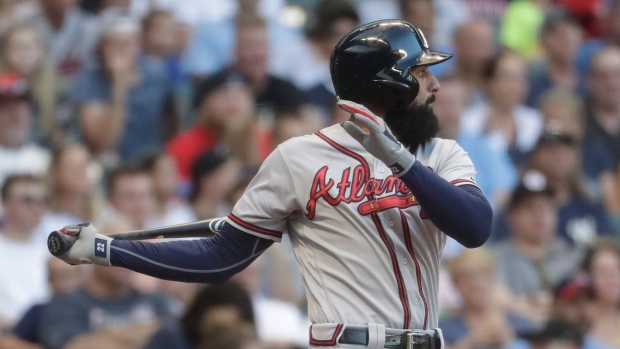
x=133 y=114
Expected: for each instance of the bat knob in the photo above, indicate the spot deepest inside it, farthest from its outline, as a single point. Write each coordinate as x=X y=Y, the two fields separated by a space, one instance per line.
x=59 y=243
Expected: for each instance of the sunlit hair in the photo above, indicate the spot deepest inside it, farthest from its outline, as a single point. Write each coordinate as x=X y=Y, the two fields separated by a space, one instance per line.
x=480 y=254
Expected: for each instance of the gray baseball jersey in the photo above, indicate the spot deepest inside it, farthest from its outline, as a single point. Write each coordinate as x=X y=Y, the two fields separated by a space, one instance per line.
x=366 y=250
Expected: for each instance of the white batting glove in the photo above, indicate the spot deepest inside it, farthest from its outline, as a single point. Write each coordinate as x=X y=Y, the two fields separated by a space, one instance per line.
x=380 y=142
x=85 y=245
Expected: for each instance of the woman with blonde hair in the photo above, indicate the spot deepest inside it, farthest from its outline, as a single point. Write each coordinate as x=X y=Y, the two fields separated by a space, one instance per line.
x=482 y=321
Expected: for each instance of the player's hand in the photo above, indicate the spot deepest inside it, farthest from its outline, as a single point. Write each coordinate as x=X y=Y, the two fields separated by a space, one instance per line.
x=81 y=244
x=380 y=142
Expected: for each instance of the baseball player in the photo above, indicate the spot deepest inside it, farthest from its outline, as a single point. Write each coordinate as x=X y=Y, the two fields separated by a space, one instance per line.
x=367 y=204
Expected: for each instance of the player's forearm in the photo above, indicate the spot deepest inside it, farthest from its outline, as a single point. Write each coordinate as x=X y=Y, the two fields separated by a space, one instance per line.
x=211 y=260
x=462 y=213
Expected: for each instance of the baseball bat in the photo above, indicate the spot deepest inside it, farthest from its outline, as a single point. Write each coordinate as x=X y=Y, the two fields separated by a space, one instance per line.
x=58 y=243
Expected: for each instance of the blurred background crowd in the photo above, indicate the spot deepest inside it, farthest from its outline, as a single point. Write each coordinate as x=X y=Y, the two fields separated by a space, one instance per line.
x=141 y=113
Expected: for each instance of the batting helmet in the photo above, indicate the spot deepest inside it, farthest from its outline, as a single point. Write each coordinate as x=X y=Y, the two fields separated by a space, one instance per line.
x=371 y=65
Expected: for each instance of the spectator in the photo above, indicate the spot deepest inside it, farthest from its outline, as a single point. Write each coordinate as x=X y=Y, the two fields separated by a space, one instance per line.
x=601 y=152
x=580 y=219
x=18 y=154
x=535 y=259
x=106 y=312
x=560 y=38
x=481 y=322
x=131 y=194
x=511 y=126
x=159 y=32
x=473 y=47
x=307 y=66
x=273 y=95
x=70 y=36
x=602 y=263
x=62 y=278
x=215 y=173
x=572 y=302
x=563 y=109
x=170 y=208
x=121 y=96
x=22 y=253
x=224 y=107
x=213 y=45
x=23 y=53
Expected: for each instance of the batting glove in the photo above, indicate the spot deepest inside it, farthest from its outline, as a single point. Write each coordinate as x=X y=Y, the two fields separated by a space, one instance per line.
x=85 y=245
x=380 y=142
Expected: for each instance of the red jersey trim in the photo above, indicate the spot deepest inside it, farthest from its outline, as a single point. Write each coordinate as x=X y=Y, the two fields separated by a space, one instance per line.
x=254 y=228
x=328 y=342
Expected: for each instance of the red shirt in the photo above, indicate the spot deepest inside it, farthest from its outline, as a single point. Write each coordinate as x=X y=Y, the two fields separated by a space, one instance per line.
x=186 y=147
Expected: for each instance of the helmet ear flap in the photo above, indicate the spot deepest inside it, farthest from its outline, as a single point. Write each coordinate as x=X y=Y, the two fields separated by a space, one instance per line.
x=397 y=94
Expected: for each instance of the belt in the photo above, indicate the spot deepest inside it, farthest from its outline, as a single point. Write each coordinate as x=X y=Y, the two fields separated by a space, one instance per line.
x=406 y=340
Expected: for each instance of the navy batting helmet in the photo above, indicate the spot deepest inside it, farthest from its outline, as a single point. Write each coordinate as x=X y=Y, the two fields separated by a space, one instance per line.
x=371 y=65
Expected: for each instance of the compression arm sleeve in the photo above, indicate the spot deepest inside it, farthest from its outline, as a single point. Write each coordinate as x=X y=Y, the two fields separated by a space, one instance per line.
x=210 y=260
x=462 y=212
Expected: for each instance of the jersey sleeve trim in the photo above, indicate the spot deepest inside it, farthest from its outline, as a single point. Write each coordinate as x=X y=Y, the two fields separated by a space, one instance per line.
x=254 y=229
x=459 y=182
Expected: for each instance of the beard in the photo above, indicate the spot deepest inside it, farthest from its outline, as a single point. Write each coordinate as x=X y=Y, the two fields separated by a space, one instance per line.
x=415 y=124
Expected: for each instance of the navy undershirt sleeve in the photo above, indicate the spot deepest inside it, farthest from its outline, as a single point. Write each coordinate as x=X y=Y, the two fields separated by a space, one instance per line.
x=462 y=212
x=211 y=260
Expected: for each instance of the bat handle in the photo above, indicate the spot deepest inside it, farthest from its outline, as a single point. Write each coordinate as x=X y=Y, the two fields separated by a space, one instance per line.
x=59 y=243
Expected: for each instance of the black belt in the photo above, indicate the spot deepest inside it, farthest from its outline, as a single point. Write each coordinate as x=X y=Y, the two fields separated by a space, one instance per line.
x=407 y=340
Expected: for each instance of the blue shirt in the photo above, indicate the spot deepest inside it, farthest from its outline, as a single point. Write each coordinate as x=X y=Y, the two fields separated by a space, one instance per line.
x=146 y=102
x=495 y=170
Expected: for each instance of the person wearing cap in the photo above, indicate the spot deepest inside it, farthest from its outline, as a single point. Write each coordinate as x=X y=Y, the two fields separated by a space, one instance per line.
x=581 y=219
x=534 y=259
x=124 y=104
x=18 y=153
x=560 y=39
x=224 y=108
